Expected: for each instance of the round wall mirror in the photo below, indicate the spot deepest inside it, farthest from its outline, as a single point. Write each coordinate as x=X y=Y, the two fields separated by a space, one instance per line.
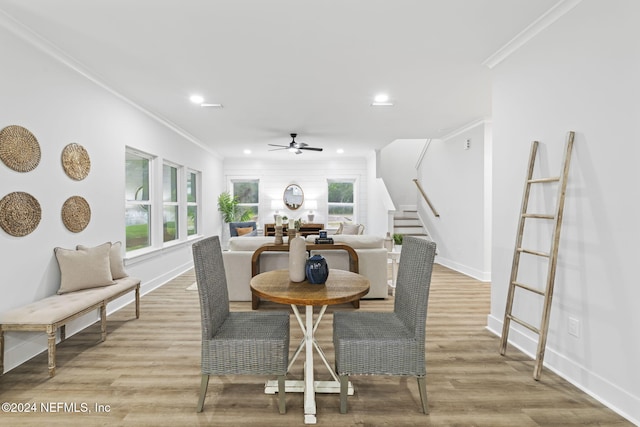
x=293 y=197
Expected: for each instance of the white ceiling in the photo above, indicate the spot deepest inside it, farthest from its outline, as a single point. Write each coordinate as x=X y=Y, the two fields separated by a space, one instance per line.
x=282 y=66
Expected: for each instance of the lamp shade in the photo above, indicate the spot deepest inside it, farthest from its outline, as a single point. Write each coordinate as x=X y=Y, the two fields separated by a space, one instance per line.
x=311 y=204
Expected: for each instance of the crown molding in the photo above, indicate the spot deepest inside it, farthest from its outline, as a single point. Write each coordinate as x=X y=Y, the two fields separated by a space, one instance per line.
x=540 y=24
x=36 y=40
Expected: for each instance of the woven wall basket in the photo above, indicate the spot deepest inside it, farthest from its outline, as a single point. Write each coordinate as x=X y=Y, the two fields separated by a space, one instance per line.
x=20 y=213
x=76 y=162
x=76 y=214
x=19 y=149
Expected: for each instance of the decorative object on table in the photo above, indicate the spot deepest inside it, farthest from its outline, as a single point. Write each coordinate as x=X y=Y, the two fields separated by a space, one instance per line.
x=388 y=242
x=76 y=214
x=19 y=148
x=323 y=234
x=293 y=197
x=20 y=213
x=278 y=227
x=75 y=161
x=278 y=240
x=317 y=270
x=324 y=241
x=291 y=229
x=297 y=259
x=312 y=205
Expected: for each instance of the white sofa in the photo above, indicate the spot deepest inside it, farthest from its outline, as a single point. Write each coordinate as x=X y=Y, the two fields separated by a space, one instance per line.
x=372 y=260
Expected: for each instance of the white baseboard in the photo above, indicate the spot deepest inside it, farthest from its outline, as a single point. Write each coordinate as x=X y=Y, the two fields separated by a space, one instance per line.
x=618 y=400
x=483 y=276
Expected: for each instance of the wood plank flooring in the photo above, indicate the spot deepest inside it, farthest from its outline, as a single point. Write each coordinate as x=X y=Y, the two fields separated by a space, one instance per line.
x=147 y=373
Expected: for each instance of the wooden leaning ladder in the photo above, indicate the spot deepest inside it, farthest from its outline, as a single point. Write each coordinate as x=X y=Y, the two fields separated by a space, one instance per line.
x=552 y=255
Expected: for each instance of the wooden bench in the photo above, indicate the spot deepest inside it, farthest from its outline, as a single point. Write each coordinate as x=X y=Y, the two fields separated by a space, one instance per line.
x=54 y=312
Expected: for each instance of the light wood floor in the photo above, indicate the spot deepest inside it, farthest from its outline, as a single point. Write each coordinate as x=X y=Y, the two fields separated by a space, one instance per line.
x=148 y=373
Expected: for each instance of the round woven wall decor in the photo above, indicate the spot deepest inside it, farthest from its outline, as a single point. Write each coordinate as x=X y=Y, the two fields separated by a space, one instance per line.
x=76 y=214
x=75 y=161
x=19 y=149
x=19 y=213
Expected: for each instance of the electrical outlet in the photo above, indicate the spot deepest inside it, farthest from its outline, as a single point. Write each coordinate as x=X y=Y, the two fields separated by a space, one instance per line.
x=574 y=327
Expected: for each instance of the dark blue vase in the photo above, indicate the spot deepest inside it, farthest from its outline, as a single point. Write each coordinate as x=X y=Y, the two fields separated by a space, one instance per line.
x=317 y=270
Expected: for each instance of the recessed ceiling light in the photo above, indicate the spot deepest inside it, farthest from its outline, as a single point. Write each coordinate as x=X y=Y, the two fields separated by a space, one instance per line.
x=246 y=151
x=381 y=100
x=339 y=151
x=196 y=99
x=381 y=97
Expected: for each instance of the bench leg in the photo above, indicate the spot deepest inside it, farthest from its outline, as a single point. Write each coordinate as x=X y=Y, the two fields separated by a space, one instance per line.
x=138 y=302
x=103 y=322
x=51 y=334
x=1 y=351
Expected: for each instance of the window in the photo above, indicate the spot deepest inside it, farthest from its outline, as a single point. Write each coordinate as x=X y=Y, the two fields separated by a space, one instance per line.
x=247 y=192
x=138 y=200
x=170 y=216
x=192 y=203
x=340 y=202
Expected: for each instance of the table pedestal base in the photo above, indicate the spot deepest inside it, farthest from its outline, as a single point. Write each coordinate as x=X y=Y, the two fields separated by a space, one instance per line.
x=297 y=386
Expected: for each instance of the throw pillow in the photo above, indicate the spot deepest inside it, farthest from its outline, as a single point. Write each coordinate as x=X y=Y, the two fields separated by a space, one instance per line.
x=244 y=230
x=84 y=269
x=116 y=262
x=353 y=229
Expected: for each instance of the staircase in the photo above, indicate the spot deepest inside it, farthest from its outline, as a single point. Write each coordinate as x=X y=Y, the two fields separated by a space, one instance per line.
x=408 y=223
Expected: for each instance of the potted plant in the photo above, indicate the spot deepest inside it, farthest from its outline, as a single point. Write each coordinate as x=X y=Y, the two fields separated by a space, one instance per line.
x=228 y=206
x=231 y=212
x=397 y=241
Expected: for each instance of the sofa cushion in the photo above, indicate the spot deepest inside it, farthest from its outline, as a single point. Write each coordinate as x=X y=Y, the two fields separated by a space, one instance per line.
x=244 y=230
x=84 y=269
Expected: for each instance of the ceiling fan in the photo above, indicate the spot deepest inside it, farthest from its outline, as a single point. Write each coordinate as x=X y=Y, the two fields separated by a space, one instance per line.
x=294 y=147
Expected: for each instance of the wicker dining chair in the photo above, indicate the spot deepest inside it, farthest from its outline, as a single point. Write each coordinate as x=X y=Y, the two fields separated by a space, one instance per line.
x=236 y=343
x=393 y=343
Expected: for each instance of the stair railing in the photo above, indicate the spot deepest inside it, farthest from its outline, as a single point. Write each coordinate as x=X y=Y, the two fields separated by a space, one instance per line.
x=426 y=199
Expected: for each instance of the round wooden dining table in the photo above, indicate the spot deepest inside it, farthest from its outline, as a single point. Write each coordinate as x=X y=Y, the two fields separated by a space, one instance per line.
x=341 y=287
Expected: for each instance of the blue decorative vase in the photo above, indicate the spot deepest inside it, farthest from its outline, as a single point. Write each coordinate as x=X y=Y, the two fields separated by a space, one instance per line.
x=317 y=270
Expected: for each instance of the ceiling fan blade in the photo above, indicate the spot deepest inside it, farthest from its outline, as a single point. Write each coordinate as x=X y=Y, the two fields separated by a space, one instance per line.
x=310 y=148
x=277 y=145
x=276 y=149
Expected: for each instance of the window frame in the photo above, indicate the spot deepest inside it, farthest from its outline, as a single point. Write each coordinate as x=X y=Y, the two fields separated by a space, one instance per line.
x=149 y=203
x=247 y=205
x=354 y=205
x=177 y=205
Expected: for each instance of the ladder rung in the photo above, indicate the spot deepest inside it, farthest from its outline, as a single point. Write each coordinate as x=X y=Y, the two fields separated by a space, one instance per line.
x=541 y=216
x=523 y=323
x=543 y=180
x=529 y=251
x=529 y=288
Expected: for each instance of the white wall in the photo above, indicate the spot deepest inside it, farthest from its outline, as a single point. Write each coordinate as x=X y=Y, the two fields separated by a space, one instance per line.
x=59 y=107
x=310 y=175
x=397 y=166
x=454 y=180
x=580 y=74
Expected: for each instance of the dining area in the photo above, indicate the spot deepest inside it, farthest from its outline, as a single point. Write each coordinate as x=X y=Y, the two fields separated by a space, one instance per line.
x=365 y=343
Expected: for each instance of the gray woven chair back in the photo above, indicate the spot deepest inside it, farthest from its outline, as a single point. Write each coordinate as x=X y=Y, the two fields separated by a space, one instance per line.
x=212 y=284
x=413 y=282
